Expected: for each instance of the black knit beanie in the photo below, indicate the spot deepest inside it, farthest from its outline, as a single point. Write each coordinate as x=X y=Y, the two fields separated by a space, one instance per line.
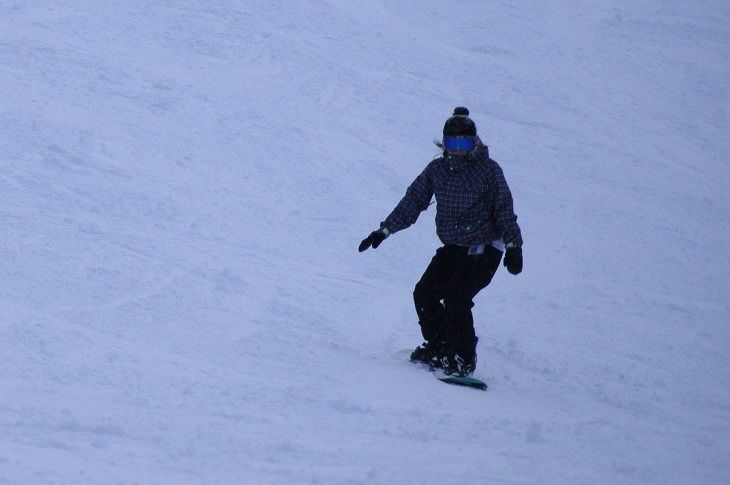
x=460 y=124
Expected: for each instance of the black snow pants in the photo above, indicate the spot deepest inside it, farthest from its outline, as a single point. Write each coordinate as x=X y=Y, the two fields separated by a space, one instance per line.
x=444 y=295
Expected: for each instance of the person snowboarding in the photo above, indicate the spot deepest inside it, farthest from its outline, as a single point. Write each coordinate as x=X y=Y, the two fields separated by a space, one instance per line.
x=476 y=223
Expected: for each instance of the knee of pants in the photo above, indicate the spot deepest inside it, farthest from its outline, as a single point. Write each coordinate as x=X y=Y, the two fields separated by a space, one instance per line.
x=421 y=293
x=458 y=303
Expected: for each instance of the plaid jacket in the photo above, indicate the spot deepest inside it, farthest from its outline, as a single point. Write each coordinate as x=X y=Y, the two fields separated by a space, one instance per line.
x=473 y=201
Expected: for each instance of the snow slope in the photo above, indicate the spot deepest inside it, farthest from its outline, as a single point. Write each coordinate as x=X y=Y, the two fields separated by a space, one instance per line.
x=183 y=186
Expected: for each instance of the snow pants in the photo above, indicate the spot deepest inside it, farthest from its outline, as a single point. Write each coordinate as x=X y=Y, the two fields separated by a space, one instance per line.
x=444 y=295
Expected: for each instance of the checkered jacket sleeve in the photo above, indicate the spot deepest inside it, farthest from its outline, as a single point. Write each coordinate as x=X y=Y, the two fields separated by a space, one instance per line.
x=417 y=199
x=504 y=213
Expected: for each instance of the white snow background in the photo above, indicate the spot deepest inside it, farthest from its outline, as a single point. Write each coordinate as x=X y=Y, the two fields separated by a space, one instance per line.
x=183 y=186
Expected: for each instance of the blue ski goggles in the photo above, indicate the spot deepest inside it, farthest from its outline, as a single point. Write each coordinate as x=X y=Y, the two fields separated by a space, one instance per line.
x=459 y=143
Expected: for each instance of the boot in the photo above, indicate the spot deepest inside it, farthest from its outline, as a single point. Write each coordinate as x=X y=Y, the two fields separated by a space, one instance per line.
x=462 y=362
x=428 y=352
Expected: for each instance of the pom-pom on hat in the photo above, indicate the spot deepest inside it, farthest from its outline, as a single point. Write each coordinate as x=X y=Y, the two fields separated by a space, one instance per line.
x=460 y=124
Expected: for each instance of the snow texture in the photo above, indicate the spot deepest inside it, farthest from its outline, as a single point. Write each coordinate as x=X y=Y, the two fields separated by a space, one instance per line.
x=183 y=186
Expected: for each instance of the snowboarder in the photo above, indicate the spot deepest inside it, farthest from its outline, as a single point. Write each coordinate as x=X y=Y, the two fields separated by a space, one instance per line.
x=476 y=223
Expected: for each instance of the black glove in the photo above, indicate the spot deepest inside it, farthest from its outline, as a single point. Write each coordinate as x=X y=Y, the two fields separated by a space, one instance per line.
x=513 y=259
x=374 y=240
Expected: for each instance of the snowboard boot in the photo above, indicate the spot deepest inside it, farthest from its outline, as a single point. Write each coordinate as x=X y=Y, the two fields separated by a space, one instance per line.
x=428 y=352
x=459 y=365
x=462 y=362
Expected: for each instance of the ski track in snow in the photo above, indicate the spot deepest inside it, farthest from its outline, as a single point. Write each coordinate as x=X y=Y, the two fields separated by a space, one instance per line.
x=183 y=187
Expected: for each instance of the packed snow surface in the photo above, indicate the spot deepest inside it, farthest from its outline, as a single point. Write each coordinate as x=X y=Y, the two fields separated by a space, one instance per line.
x=183 y=186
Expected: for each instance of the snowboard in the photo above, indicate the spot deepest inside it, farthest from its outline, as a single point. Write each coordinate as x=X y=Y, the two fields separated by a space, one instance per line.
x=464 y=381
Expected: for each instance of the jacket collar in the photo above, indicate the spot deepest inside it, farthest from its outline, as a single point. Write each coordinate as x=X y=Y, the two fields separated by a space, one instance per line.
x=457 y=164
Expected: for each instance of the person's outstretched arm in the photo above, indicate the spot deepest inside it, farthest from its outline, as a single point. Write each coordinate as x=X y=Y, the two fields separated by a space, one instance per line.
x=417 y=199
